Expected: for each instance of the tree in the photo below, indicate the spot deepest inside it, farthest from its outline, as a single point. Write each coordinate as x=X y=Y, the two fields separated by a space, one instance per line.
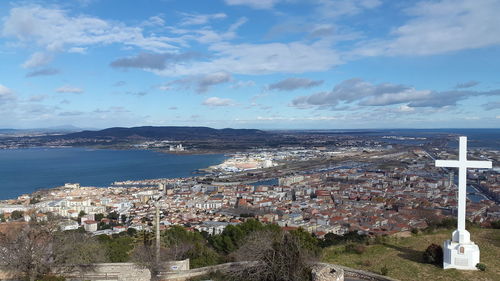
x=98 y=217
x=28 y=251
x=15 y=215
x=306 y=241
x=145 y=256
x=273 y=256
x=496 y=224
x=118 y=247
x=76 y=251
x=38 y=249
x=113 y=216
x=331 y=239
x=80 y=215
x=182 y=244
x=144 y=237
x=201 y=255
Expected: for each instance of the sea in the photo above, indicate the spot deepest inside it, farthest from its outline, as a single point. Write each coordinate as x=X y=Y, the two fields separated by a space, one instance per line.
x=26 y=170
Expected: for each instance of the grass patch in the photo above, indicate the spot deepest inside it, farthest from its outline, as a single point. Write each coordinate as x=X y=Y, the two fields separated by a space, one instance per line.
x=403 y=257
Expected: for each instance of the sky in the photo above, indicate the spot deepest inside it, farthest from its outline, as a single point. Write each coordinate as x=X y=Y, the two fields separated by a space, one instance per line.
x=267 y=64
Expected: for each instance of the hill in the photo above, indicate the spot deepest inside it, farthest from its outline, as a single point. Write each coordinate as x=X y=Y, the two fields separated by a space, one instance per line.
x=403 y=257
x=170 y=132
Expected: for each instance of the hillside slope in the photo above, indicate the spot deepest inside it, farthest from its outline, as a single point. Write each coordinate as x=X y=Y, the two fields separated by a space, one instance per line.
x=403 y=257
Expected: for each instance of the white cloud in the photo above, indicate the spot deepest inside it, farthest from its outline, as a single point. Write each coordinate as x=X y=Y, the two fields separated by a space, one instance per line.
x=256 y=4
x=405 y=95
x=243 y=84
x=152 y=61
x=6 y=95
x=441 y=27
x=336 y=8
x=37 y=98
x=259 y=59
x=77 y=50
x=69 y=89
x=465 y=85
x=202 y=83
x=43 y=72
x=216 y=101
x=281 y=118
x=471 y=118
x=294 y=83
x=154 y=21
x=55 y=30
x=360 y=92
x=199 y=19
x=38 y=59
x=213 y=79
x=405 y=108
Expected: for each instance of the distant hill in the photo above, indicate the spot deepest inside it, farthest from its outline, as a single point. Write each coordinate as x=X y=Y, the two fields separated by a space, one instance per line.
x=168 y=132
x=34 y=131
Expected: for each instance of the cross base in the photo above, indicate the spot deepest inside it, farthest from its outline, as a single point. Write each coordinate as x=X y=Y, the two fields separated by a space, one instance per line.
x=461 y=236
x=463 y=256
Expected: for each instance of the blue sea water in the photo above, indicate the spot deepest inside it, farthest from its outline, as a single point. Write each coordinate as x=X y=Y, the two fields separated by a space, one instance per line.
x=25 y=170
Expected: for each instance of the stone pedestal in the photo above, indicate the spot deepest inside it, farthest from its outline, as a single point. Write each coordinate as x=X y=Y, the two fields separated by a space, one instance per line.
x=458 y=255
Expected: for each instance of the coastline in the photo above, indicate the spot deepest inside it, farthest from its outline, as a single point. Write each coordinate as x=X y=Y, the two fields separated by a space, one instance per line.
x=30 y=169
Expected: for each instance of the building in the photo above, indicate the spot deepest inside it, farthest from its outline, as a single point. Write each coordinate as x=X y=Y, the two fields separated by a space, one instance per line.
x=90 y=226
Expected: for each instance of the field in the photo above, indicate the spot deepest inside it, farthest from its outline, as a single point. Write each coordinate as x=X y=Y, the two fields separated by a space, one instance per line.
x=403 y=257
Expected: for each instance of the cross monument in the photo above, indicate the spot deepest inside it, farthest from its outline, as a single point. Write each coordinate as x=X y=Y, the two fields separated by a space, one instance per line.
x=460 y=252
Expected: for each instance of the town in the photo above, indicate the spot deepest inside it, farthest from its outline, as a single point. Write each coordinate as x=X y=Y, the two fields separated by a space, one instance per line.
x=381 y=190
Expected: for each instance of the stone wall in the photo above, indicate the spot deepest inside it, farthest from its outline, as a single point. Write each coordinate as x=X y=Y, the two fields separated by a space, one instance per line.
x=186 y=275
x=327 y=272
x=364 y=275
x=320 y=272
x=6 y=274
x=179 y=271
x=112 y=271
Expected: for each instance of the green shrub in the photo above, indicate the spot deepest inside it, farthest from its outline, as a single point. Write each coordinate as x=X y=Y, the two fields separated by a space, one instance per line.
x=384 y=270
x=496 y=224
x=433 y=254
x=481 y=266
x=51 y=278
x=355 y=248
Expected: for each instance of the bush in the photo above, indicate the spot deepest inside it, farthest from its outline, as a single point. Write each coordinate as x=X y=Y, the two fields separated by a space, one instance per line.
x=496 y=224
x=448 y=223
x=384 y=270
x=51 y=278
x=16 y=215
x=433 y=254
x=355 y=248
x=481 y=266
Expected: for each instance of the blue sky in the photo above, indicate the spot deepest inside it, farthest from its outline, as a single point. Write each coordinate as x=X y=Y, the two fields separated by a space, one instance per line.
x=270 y=64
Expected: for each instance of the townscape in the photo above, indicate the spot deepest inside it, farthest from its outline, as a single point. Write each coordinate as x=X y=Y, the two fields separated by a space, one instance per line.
x=249 y=140
x=371 y=190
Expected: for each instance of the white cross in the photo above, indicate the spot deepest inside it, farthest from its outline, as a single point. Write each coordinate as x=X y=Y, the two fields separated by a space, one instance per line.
x=462 y=164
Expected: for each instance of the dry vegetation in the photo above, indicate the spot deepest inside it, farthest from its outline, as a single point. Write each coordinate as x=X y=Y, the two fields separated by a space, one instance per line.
x=403 y=257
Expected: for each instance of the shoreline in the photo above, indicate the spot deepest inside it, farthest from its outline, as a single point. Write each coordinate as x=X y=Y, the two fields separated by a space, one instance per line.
x=31 y=170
